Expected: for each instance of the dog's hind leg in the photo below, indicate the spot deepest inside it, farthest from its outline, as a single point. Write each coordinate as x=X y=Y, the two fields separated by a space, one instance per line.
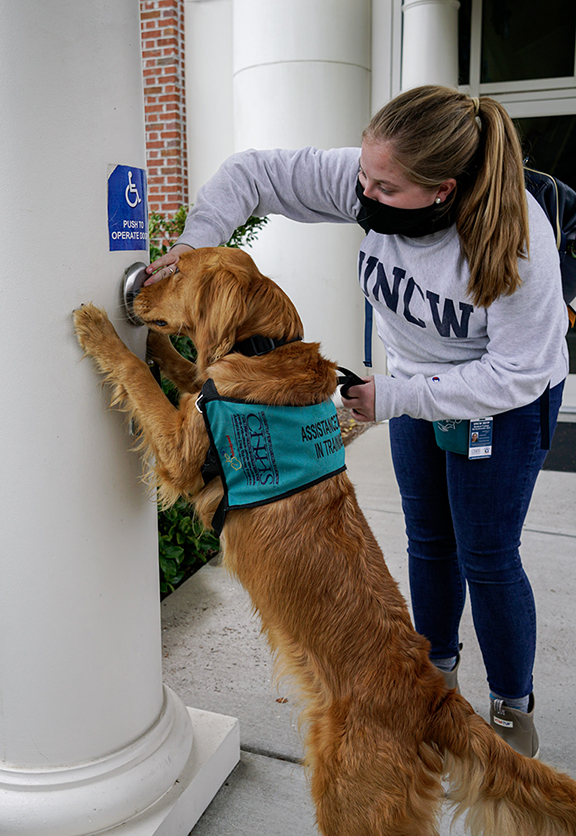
x=366 y=783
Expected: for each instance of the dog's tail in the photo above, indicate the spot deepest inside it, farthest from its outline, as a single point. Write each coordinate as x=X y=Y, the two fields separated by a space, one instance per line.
x=500 y=792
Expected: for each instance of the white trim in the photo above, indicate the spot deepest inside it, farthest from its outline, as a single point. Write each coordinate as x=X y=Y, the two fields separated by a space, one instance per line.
x=495 y=87
x=523 y=108
x=410 y=4
x=475 y=46
x=396 y=57
x=542 y=95
x=544 y=103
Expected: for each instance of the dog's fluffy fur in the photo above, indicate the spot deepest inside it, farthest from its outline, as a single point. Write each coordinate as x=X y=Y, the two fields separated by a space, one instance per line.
x=382 y=730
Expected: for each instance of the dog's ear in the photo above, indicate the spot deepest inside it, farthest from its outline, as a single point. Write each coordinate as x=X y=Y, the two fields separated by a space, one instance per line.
x=221 y=312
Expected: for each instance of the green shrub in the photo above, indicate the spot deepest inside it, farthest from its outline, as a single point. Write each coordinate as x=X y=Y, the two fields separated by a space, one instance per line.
x=184 y=546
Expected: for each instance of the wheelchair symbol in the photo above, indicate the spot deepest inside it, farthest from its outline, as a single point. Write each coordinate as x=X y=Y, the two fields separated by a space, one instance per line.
x=132 y=190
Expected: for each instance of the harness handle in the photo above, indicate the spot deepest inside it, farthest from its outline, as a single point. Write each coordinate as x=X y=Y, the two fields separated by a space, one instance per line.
x=348 y=379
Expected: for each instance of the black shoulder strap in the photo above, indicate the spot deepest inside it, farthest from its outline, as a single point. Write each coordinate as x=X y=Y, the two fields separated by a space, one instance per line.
x=257 y=345
x=211 y=467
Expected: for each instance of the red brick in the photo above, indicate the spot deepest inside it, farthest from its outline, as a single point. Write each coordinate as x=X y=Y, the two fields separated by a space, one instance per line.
x=162 y=26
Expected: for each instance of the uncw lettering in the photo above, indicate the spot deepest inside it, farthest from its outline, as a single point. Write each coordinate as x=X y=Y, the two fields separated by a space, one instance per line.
x=376 y=285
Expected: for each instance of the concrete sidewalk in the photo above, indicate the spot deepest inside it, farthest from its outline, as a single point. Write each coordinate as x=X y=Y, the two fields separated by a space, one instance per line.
x=216 y=660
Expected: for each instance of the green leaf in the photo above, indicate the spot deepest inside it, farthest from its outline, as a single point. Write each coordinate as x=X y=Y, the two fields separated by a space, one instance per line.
x=175 y=553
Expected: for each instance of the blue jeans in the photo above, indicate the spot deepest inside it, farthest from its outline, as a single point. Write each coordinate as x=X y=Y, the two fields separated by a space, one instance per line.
x=463 y=520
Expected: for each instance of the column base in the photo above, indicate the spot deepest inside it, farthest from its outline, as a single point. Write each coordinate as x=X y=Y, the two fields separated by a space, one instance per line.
x=215 y=753
x=159 y=785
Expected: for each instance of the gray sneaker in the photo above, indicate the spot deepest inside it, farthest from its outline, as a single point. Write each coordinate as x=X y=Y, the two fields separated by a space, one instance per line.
x=515 y=727
x=451 y=677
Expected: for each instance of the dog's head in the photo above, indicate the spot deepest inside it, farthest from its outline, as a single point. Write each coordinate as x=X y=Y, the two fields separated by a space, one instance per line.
x=218 y=297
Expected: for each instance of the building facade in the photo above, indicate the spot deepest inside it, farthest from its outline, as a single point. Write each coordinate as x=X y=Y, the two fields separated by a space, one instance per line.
x=291 y=73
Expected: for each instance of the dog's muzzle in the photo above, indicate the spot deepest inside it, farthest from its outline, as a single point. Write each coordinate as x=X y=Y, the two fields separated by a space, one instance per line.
x=134 y=278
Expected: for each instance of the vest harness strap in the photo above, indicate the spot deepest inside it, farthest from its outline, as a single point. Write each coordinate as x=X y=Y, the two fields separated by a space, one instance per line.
x=264 y=453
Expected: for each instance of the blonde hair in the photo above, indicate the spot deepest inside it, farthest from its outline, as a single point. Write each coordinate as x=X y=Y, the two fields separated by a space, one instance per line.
x=435 y=134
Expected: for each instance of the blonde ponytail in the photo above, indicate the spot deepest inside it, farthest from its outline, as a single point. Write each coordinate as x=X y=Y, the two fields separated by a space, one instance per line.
x=492 y=218
x=436 y=134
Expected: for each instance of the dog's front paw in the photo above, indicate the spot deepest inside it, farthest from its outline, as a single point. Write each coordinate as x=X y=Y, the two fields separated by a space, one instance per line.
x=93 y=328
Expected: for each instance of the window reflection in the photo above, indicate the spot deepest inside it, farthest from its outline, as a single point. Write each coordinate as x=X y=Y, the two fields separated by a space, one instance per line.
x=527 y=40
x=549 y=142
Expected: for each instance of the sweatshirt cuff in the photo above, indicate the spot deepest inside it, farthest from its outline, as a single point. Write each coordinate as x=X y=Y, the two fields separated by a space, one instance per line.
x=395 y=397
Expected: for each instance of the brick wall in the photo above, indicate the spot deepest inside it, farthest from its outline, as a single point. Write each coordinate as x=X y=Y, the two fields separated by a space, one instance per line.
x=162 y=24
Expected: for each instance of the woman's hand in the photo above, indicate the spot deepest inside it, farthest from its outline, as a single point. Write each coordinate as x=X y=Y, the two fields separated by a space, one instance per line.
x=362 y=401
x=166 y=265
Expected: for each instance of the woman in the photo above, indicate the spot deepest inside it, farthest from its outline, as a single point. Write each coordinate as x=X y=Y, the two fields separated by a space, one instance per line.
x=461 y=268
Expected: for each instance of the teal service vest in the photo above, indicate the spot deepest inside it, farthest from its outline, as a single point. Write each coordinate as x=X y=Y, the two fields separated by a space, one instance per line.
x=264 y=453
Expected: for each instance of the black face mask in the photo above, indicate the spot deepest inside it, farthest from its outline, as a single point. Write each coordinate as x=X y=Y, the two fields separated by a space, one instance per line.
x=413 y=223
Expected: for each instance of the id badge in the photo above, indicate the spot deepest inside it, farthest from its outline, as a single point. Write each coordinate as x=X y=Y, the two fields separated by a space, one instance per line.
x=480 y=438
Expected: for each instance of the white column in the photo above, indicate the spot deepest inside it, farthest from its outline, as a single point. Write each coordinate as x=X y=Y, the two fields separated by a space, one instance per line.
x=89 y=738
x=430 y=43
x=302 y=77
x=209 y=103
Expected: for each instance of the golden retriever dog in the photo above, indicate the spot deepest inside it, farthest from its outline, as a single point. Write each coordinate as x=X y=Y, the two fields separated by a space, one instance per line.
x=381 y=729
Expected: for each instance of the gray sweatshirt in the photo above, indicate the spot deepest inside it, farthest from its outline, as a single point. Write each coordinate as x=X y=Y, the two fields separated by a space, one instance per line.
x=447 y=358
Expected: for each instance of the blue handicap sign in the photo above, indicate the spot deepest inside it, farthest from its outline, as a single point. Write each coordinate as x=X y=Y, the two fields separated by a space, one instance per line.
x=127 y=208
